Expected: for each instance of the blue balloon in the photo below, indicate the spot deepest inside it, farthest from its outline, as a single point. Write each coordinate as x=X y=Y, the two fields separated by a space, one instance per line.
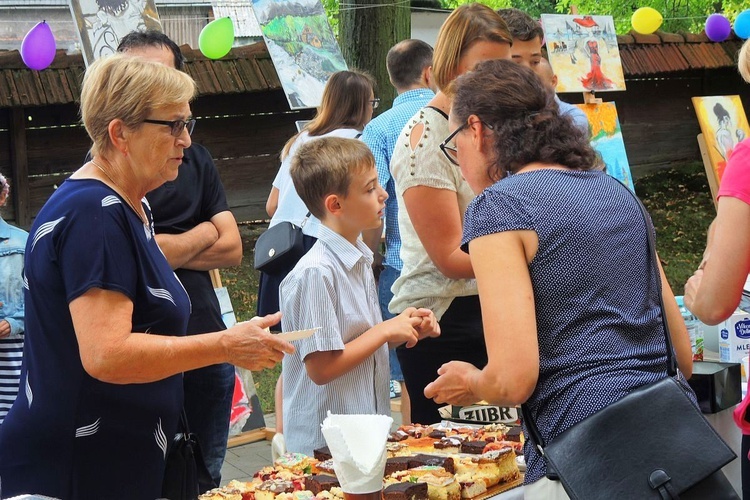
x=742 y=24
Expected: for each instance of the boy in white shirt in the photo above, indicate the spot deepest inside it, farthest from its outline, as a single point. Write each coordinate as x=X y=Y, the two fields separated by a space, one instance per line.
x=343 y=367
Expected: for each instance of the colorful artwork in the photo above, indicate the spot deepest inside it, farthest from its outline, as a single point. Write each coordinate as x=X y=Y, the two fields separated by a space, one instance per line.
x=606 y=139
x=302 y=47
x=102 y=23
x=723 y=124
x=246 y=413
x=583 y=52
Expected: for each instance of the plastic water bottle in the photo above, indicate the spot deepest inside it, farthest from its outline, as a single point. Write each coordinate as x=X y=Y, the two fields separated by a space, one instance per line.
x=694 y=328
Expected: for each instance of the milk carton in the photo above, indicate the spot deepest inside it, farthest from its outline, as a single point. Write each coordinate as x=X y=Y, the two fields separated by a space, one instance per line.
x=734 y=337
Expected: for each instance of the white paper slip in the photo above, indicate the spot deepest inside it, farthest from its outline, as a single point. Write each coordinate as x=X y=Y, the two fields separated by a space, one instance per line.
x=297 y=334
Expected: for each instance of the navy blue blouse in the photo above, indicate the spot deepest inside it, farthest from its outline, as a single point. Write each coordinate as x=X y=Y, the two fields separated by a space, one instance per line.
x=69 y=435
x=597 y=305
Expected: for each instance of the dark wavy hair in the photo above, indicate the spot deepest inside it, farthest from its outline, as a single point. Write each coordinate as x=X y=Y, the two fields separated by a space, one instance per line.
x=525 y=120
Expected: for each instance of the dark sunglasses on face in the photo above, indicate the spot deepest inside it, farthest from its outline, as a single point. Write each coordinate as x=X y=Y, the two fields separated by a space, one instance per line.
x=177 y=125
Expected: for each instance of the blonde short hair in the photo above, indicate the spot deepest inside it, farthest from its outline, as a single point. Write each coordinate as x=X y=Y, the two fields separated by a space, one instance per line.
x=326 y=166
x=468 y=24
x=743 y=62
x=128 y=88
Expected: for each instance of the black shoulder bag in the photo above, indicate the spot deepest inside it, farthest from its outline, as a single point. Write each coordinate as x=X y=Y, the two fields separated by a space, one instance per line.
x=184 y=469
x=279 y=247
x=618 y=453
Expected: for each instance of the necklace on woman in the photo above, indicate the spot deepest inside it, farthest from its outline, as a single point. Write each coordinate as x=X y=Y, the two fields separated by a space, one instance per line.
x=124 y=194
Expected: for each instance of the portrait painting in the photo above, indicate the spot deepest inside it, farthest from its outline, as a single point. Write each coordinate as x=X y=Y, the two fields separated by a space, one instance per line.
x=103 y=23
x=583 y=53
x=302 y=47
x=723 y=124
x=606 y=138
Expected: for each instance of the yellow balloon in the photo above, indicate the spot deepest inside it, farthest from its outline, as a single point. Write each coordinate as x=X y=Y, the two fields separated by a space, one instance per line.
x=646 y=20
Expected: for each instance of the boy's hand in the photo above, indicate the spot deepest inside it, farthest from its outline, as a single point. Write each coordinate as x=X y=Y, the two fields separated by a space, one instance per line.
x=402 y=328
x=429 y=326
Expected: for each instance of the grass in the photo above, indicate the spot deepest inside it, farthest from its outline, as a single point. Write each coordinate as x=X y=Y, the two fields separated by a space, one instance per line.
x=677 y=198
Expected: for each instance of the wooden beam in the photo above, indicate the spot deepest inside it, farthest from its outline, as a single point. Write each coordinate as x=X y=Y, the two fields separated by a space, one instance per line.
x=262 y=434
x=19 y=164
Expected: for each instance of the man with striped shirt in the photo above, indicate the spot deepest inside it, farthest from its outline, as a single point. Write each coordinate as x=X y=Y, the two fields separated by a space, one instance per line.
x=342 y=367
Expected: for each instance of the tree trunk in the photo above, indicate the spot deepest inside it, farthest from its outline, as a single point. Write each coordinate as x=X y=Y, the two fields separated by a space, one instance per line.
x=367 y=30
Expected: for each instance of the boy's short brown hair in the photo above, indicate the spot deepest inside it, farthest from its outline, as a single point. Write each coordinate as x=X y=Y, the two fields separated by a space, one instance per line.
x=326 y=166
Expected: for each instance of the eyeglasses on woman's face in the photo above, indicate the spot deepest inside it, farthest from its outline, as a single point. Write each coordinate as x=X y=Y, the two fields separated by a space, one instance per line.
x=177 y=125
x=448 y=146
x=375 y=102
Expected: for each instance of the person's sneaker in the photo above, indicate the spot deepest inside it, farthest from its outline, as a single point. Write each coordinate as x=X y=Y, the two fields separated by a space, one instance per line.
x=395 y=389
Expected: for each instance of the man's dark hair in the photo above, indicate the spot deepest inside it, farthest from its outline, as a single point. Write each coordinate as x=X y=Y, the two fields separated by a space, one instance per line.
x=406 y=60
x=521 y=25
x=151 y=38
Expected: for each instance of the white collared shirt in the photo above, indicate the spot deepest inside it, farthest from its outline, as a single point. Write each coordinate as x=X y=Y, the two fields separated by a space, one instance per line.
x=331 y=287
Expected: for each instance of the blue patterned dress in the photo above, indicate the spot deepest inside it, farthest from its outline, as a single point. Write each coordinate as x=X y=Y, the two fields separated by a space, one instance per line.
x=597 y=307
x=69 y=435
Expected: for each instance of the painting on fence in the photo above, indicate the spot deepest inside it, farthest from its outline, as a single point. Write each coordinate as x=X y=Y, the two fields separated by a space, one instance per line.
x=606 y=138
x=583 y=52
x=302 y=47
x=723 y=124
x=102 y=23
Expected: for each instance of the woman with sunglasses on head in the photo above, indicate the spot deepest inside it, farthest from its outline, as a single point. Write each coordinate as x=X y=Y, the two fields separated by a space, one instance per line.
x=346 y=107
x=433 y=197
x=105 y=348
x=560 y=252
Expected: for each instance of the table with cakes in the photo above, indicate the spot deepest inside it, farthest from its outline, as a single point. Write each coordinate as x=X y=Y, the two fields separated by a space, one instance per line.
x=445 y=461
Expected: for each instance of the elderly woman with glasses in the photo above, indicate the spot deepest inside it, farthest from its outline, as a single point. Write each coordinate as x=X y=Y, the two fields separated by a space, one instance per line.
x=570 y=300
x=101 y=382
x=436 y=274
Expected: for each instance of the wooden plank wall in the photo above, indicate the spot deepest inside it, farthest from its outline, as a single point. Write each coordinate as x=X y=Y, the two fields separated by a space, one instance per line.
x=245 y=133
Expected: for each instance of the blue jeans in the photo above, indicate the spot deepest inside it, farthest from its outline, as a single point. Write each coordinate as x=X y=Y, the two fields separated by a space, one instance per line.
x=387 y=277
x=208 y=403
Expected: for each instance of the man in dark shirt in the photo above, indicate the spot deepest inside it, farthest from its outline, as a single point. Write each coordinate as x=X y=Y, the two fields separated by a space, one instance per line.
x=197 y=232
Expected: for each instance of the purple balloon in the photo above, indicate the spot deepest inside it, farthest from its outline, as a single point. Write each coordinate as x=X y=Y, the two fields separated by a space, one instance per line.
x=718 y=28
x=38 y=47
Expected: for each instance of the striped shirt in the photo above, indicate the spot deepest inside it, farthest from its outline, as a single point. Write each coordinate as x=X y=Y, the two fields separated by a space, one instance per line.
x=331 y=287
x=12 y=245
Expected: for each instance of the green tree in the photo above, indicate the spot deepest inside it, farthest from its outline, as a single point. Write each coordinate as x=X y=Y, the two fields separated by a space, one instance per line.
x=367 y=30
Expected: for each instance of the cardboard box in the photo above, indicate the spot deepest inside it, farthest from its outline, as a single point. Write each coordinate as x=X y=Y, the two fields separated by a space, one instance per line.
x=734 y=337
x=717 y=385
x=487 y=414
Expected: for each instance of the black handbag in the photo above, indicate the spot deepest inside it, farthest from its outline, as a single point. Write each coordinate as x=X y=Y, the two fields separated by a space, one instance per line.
x=653 y=443
x=279 y=247
x=185 y=469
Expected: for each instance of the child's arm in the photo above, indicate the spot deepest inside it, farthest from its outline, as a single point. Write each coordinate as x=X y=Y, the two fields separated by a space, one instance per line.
x=326 y=366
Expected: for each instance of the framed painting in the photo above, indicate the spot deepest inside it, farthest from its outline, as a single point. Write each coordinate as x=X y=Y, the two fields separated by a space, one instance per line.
x=723 y=124
x=583 y=52
x=246 y=414
x=302 y=47
x=606 y=139
x=102 y=23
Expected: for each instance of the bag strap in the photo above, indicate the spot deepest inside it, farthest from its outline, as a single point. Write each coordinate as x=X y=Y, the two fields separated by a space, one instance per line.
x=184 y=422
x=671 y=361
x=304 y=221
